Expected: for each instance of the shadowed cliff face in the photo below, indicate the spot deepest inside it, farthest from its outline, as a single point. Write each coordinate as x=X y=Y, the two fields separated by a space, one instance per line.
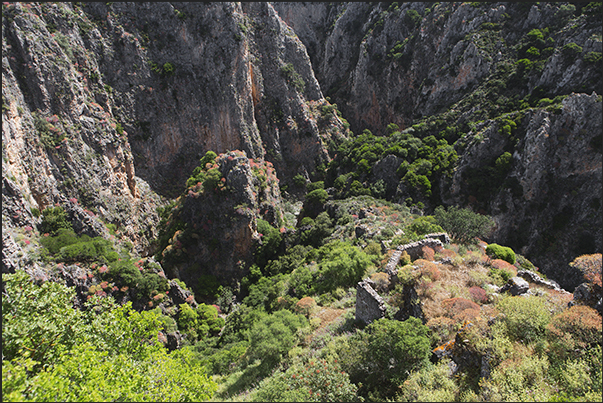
x=396 y=62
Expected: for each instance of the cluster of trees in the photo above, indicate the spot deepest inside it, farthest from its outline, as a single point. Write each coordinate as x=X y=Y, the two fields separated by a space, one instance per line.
x=105 y=352
x=424 y=159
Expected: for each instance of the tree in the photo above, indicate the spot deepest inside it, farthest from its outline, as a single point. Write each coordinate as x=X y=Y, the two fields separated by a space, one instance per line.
x=274 y=335
x=382 y=356
x=463 y=224
x=53 y=219
x=54 y=352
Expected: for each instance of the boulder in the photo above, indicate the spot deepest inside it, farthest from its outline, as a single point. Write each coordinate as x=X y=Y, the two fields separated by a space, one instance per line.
x=516 y=286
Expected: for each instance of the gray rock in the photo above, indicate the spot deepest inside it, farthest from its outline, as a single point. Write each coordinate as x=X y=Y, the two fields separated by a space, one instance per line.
x=516 y=286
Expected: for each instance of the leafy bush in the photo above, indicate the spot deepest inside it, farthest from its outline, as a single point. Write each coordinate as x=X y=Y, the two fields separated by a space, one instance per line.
x=525 y=318
x=317 y=381
x=571 y=49
x=54 y=352
x=53 y=219
x=463 y=224
x=383 y=357
x=270 y=243
x=66 y=246
x=500 y=252
x=510 y=380
x=274 y=335
x=315 y=185
x=340 y=265
x=431 y=383
x=424 y=225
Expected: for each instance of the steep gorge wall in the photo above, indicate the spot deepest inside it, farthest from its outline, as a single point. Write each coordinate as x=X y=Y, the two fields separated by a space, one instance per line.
x=399 y=62
x=111 y=105
x=396 y=62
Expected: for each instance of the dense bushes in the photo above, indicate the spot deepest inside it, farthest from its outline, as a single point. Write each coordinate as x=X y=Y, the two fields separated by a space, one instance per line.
x=53 y=352
x=382 y=356
x=316 y=381
x=463 y=224
x=53 y=219
x=274 y=335
x=66 y=246
x=199 y=323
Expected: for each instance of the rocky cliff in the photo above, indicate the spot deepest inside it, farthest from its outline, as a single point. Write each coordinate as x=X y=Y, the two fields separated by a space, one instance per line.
x=108 y=107
x=111 y=105
x=475 y=67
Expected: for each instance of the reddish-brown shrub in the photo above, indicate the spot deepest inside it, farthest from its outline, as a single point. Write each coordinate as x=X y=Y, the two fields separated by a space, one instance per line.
x=448 y=253
x=461 y=309
x=504 y=265
x=425 y=289
x=478 y=294
x=467 y=315
x=305 y=306
x=579 y=326
x=428 y=269
x=590 y=266
x=428 y=253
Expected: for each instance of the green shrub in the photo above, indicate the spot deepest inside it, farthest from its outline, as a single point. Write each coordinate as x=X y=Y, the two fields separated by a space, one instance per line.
x=168 y=69
x=383 y=356
x=104 y=352
x=292 y=77
x=274 y=335
x=317 y=381
x=424 y=225
x=571 y=49
x=270 y=244
x=463 y=224
x=511 y=380
x=592 y=57
x=432 y=383
x=53 y=219
x=299 y=180
x=315 y=185
x=525 y=318
x=505 y=253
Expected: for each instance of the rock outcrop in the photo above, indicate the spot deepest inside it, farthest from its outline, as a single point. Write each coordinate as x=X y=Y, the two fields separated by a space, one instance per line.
x=107 y=107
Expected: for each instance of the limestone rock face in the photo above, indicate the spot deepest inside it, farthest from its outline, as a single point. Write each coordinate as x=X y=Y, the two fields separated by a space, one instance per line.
x=516 y=286
x=107 y=107
x=548 y=206
x=212 y=231
x=384 y=63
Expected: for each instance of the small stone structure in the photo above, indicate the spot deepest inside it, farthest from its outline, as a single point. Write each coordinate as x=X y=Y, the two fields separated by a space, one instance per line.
x=414 y=251
x=536 y=279
x=442 y=236
x=369 y=305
